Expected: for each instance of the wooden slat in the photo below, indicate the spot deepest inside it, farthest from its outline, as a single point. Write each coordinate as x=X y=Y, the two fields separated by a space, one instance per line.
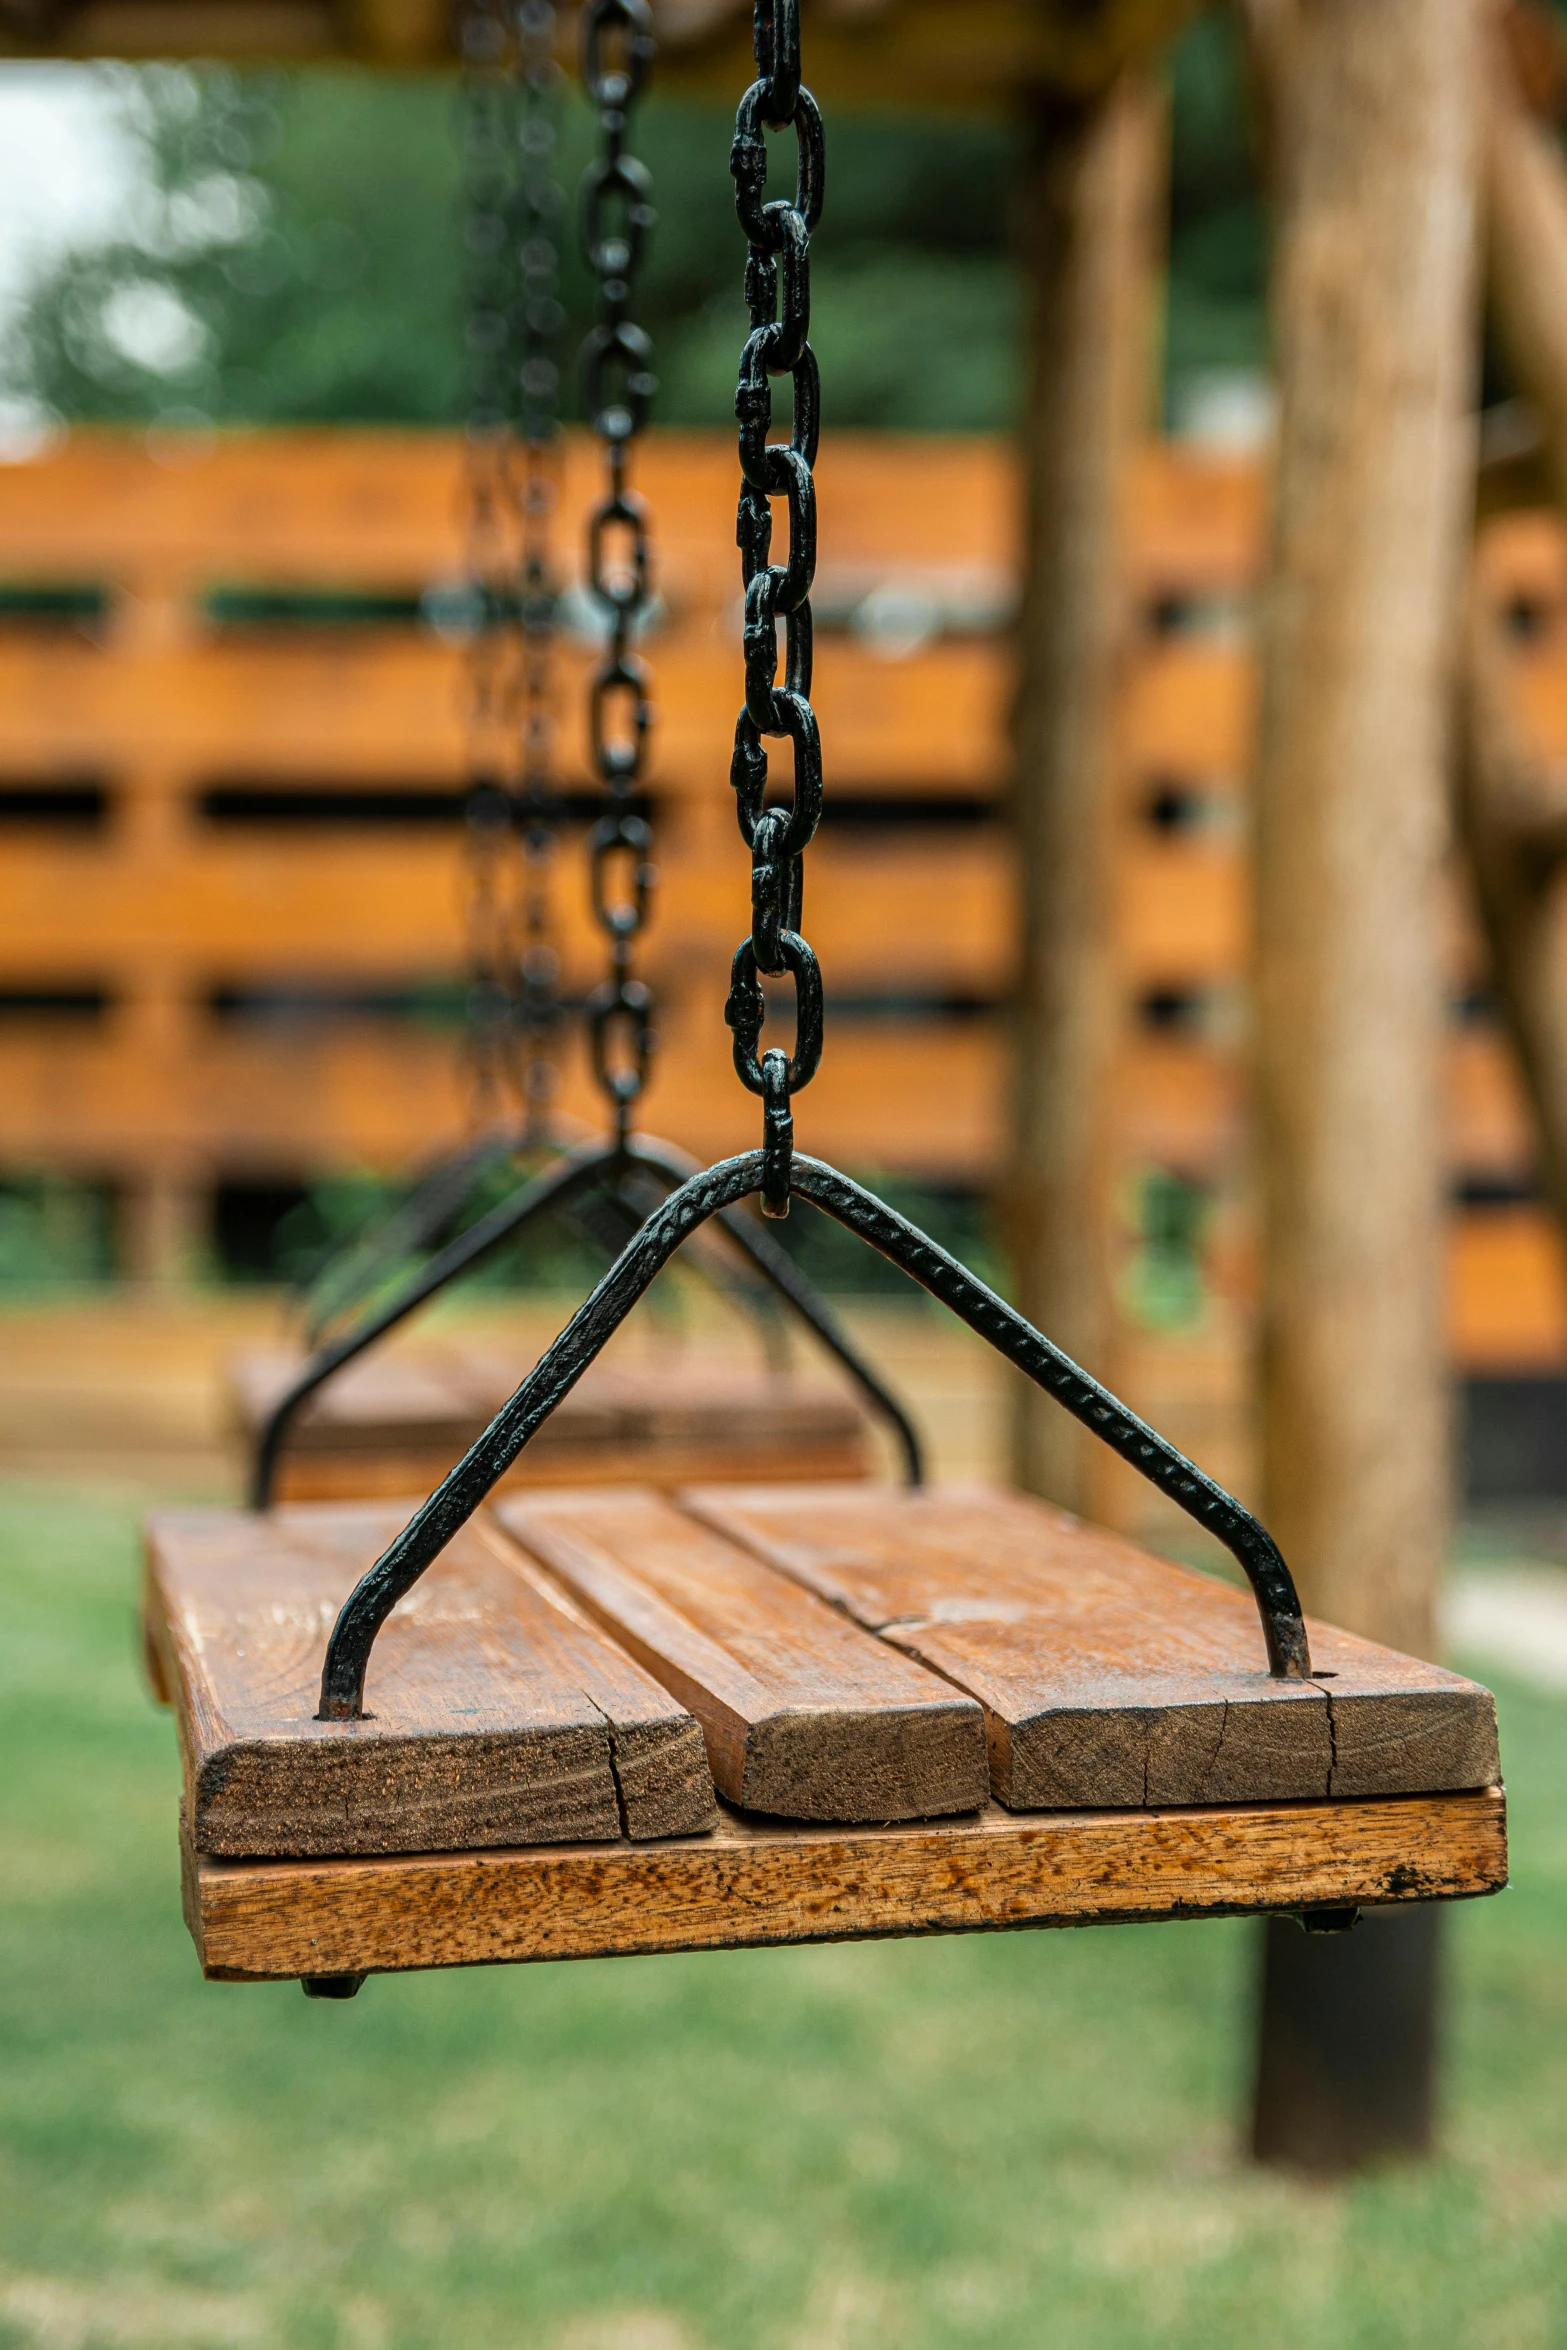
x=1187 y=713
x=1109 y=1676
x=1507 y=1291
x=804 y=1715
x=293 y=1098
x=384 y=703
x=247 y=1100
x=396 y=1422
x=497 y=1715
x=924 y=912
x=1182 y=914
x=749 y=1886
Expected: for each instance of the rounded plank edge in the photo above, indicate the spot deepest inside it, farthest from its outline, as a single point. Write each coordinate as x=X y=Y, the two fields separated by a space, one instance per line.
x=750 y=1887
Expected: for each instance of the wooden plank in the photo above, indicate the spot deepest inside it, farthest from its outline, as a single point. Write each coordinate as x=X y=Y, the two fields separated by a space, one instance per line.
x=1181 y=913
x=395 y=1421
x=306 y=1096
x=497 y=1714
x=298 y=1099
x=925 y=913
x=804 y=1716
x=1108 y=1676
x=383 y=703
x=1507 y=1291
x=749 y=1886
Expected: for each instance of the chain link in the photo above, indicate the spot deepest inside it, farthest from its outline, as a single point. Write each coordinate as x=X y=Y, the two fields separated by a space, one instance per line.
x=514 y=218
x=778 y=297
x=618 y=385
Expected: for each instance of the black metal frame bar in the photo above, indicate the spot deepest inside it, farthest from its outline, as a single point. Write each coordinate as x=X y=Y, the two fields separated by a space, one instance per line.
x=711 y=1193
x=580 y=1171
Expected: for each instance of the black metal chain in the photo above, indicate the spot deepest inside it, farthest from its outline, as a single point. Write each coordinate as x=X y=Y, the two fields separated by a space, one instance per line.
x=538 y=1012
x=618 y=385
x=514 y=211
x=778 y=296
x=488 y=166
x=779 y=237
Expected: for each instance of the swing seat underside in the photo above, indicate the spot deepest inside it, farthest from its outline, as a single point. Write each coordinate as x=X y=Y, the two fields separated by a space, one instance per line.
x=611 y=1720
x=394 y=1424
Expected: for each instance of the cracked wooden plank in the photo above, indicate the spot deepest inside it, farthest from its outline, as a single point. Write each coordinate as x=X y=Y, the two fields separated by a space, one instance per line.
x=496 y=1713
x=1109 y=1677
x=805 y=1716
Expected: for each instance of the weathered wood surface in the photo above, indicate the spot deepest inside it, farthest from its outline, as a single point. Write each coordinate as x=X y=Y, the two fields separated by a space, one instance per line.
x=805 y=1715
x=394 y=1419
x=1109 y=1676
x=496 y=1713
x=748 y=1885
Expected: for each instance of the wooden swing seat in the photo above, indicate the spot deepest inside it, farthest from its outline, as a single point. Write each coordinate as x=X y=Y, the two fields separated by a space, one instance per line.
x=394 y=1424
x=611 y=1720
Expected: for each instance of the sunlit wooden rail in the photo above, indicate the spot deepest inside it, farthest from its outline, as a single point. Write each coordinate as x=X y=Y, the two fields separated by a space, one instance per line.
x=224 y=867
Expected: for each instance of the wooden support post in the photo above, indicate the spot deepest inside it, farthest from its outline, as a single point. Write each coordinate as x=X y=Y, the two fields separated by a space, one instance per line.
x=164 y=1225
x=1376 y=145
x=1092 y=216
x=1512 y=807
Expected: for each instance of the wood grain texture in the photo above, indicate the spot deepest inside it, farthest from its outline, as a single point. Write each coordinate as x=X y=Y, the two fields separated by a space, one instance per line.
x=395 y=1422
x=805 y=1716
x=748 y=1886
x=497 y=1714
x=1372 y=299
x=1109 y=1676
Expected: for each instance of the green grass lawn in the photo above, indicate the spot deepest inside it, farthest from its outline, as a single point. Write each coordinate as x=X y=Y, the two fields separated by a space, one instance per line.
x=1014 y=2140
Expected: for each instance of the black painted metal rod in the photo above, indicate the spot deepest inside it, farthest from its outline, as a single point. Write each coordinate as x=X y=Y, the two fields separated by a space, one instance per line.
x=553 y=1190
x=595 y=1322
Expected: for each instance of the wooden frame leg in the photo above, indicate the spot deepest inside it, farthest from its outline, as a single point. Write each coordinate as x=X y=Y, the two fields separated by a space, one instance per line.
x=1347 y=2041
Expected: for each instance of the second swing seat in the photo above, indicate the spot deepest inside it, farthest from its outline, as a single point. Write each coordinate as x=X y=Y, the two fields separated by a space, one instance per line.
x=394 y=1423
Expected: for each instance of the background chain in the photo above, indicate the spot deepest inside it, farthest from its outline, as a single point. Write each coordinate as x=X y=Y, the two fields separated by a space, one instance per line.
x=540 y=319
x=618 y=384
x=778 y=297
x=514 y=217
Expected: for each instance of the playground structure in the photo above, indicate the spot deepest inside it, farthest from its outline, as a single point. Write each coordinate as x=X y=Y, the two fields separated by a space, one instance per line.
x=230 y=762
x=1376 y=136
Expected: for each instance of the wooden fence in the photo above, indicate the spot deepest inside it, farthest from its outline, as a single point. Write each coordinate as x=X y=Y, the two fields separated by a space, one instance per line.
x=224 y=865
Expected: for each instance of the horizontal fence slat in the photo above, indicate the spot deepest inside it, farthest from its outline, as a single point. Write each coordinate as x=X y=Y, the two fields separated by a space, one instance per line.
x=933 y=916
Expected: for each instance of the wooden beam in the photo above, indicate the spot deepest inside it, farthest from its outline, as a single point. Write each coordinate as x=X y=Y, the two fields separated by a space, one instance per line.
x=1376 y=144
x=1091 y=194
x=1374 y=328
x=871 y=52
x=751 y=1885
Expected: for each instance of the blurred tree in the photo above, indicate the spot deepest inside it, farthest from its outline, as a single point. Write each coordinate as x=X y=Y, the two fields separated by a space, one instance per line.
x=292 y=253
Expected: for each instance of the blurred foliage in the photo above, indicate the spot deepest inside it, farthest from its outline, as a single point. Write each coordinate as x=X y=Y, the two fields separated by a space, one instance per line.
x=570 y=1251
x=1162 y=1283
x=53 y=1233
x=1217 y=314
x=294 y=254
